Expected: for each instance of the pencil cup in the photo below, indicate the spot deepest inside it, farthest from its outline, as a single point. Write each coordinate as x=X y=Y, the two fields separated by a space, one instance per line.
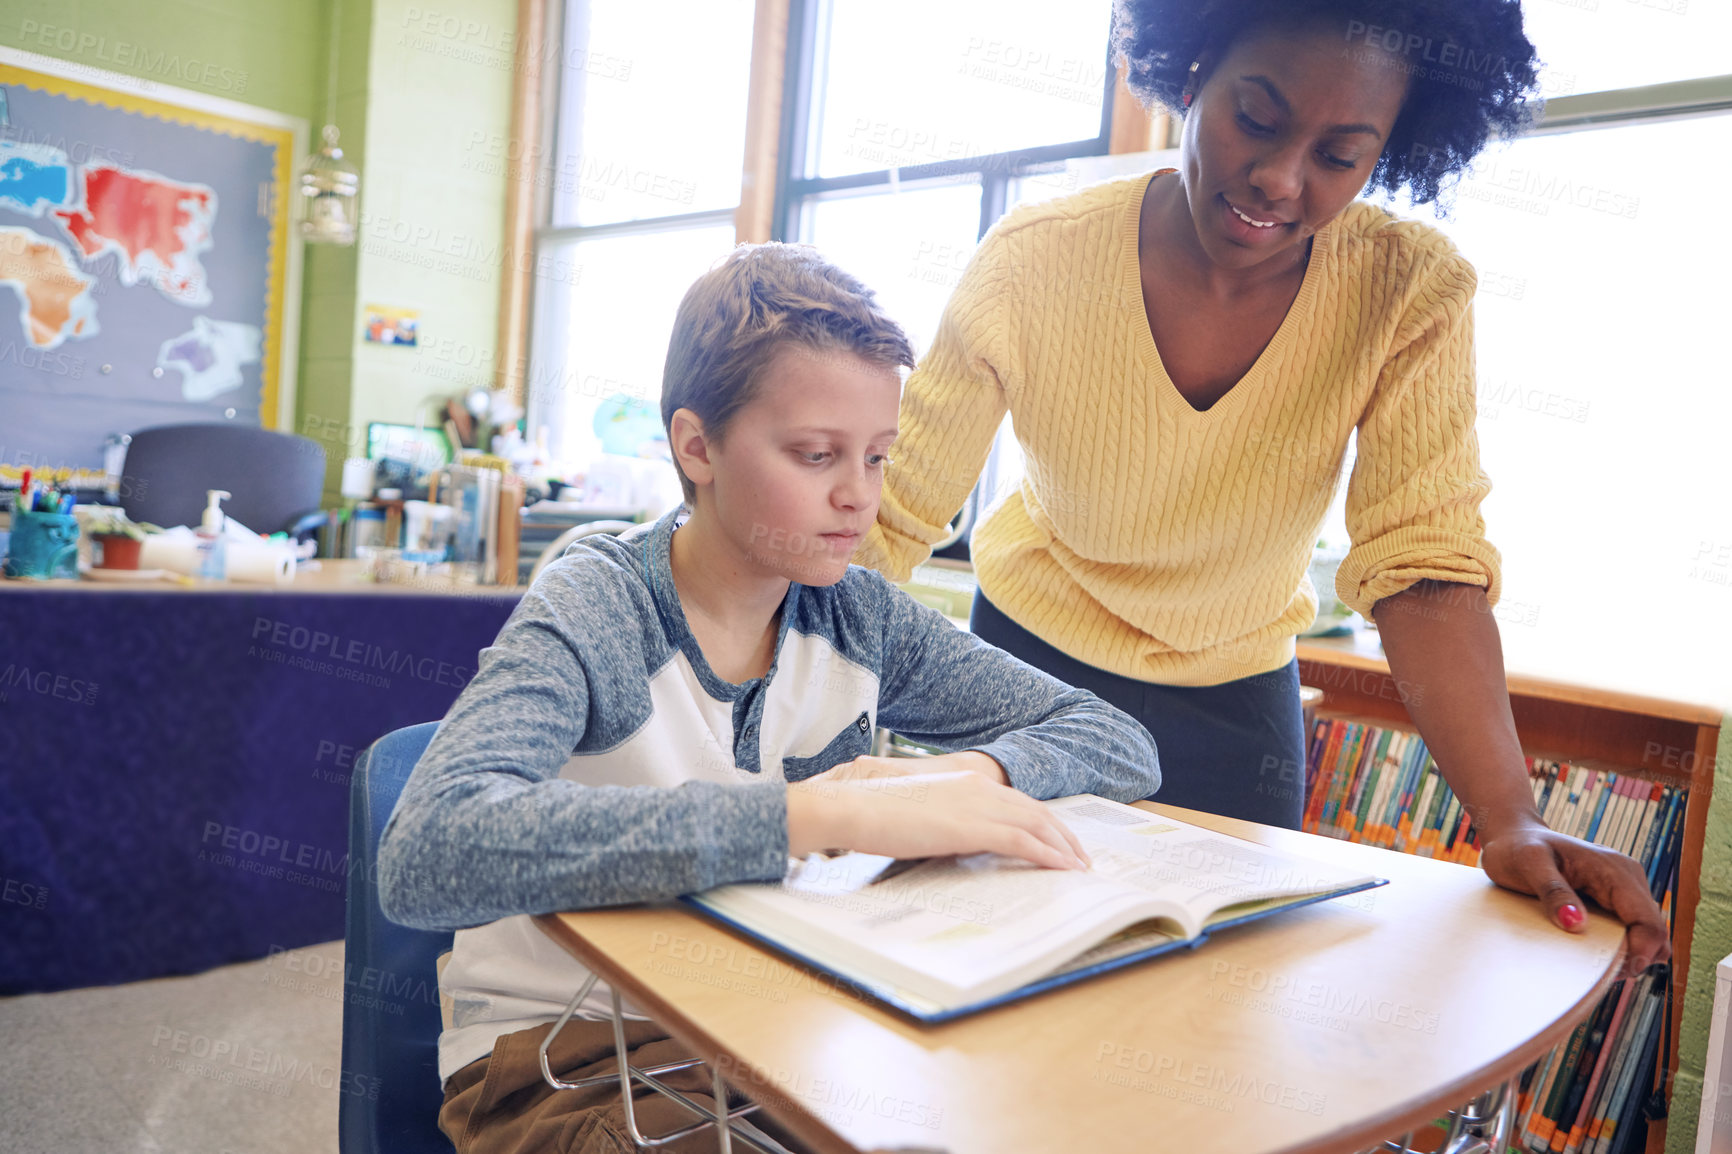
x=42 y=545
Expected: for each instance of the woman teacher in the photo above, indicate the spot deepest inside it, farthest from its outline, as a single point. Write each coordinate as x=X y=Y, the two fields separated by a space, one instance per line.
x=1184 y=355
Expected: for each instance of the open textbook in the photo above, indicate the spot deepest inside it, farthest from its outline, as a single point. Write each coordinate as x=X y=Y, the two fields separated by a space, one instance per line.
x=941 y=937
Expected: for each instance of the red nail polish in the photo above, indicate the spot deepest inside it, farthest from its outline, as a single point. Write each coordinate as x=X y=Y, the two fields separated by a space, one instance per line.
x=1571 y=916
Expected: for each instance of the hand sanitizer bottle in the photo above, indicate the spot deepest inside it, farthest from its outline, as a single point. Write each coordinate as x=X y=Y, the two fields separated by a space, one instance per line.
x=212 y=554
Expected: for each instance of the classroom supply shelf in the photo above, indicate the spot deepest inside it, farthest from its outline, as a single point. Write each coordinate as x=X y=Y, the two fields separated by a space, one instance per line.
x=1669 y=742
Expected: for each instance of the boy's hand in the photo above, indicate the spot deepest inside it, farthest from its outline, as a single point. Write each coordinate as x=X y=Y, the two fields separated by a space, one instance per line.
x=927 y=815
x=864 y=767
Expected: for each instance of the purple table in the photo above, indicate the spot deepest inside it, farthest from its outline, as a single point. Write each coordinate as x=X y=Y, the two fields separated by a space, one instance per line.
x=174 y=763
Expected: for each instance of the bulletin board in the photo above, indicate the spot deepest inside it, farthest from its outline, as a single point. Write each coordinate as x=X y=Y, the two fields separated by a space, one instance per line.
x=147 y=272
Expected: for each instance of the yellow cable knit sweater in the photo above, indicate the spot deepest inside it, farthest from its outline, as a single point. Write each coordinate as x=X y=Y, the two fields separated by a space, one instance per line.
x=1166 y=544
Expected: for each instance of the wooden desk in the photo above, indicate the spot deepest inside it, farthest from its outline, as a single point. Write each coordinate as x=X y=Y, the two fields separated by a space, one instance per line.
x=1327 y=1029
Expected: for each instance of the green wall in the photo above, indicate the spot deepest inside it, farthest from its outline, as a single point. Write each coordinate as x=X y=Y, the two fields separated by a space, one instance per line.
x=433 y=203
x=426 y=89
x=271 y=49
x=1712 y=941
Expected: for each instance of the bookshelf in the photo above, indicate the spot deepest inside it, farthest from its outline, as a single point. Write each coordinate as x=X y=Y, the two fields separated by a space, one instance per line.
x=1666 y=741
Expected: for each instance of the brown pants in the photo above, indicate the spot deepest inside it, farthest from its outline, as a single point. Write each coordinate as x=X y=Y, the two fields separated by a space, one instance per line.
x=500 y=1104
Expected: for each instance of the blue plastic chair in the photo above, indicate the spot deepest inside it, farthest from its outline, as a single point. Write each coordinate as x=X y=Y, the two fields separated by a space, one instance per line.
x=391 y=1092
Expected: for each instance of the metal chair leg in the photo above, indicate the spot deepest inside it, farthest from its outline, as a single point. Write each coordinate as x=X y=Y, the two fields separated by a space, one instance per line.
x=1482 y=1126
x=547 y=1074
x=720 y=1117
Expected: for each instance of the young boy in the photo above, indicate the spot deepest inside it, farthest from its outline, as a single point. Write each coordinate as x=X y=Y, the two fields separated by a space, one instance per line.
x=657 y=716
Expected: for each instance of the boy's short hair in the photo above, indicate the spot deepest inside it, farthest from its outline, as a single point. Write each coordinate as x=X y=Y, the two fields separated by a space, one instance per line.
x=739 y=315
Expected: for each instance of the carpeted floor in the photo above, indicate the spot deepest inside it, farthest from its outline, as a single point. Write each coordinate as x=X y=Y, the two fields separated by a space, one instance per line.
x=240 y=1060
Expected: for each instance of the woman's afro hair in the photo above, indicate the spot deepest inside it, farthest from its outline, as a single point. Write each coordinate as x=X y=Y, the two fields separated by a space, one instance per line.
x=1473 y=70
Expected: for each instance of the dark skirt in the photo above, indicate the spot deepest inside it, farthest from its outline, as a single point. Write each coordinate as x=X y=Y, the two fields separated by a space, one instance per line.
x=1236 y=749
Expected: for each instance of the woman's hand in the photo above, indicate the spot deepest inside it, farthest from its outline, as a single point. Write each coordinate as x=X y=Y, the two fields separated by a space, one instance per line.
x=1531 y=859
x=926 y=815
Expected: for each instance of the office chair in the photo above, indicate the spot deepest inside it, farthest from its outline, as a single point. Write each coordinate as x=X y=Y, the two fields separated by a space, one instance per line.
x=276 y=479
x=392 y=1092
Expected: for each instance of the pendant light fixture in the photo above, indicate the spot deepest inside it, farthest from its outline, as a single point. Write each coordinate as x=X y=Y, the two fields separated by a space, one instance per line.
x=330 y=186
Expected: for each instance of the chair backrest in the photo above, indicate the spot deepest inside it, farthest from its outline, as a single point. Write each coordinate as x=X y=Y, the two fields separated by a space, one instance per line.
x=273 y=477
x=557 y=547
x=391 y=1090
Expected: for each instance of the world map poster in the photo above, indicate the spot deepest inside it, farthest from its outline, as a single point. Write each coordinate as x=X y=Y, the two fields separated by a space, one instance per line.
x=142 y=260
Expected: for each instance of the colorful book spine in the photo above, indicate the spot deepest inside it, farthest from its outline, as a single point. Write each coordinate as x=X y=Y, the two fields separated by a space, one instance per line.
x=1532 y=1083
x=1368 y=783
x=1570 y=1107
x=1634 y=1060
x=1325 y=768
x=1552 y=814
x=1621 y=1059
x=1624 y=993
x=1647 y=841
x=1584 y=810
x=1543 y=1121
x=1352 y=754
x=1607 y=780
x=1407 y=839
x=1620 y=831
x=1389 y=789
x=1444 y=812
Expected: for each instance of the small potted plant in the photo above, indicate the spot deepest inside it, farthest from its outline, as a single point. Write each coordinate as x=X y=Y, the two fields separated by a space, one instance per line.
x=119 y=542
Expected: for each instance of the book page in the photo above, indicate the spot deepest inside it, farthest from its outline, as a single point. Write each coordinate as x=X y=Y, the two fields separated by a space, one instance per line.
x=961 y=929
x=965 y=918
x=1133 y=939
x=945 y=928
x=1195 y=868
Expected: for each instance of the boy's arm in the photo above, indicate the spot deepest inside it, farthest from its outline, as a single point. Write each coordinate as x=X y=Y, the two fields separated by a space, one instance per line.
x=486 y=828
x=944 y=686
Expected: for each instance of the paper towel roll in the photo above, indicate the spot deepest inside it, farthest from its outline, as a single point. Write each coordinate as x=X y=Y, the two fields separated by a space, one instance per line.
x=260 y=563
x=175 y=550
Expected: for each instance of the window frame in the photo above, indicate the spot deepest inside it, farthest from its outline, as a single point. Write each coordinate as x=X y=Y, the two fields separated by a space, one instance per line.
x=995 y=170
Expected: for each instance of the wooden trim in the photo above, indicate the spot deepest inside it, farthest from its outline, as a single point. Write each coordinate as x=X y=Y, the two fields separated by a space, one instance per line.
x=755 y=218
x=527 y=98
x=1134 y=128
x=1363 y=651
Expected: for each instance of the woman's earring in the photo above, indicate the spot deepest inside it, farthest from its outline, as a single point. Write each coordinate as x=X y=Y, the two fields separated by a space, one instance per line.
x=1190 y=84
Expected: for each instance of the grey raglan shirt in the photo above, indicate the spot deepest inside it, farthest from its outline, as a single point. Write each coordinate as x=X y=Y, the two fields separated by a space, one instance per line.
x=596 y=759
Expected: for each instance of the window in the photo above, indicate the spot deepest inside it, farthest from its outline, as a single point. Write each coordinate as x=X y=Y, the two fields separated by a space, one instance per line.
x=1602 y=400
x=1602 y=406
x=904 y=149
x=900 y=150
x=1604 y=45
x=640 y=200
